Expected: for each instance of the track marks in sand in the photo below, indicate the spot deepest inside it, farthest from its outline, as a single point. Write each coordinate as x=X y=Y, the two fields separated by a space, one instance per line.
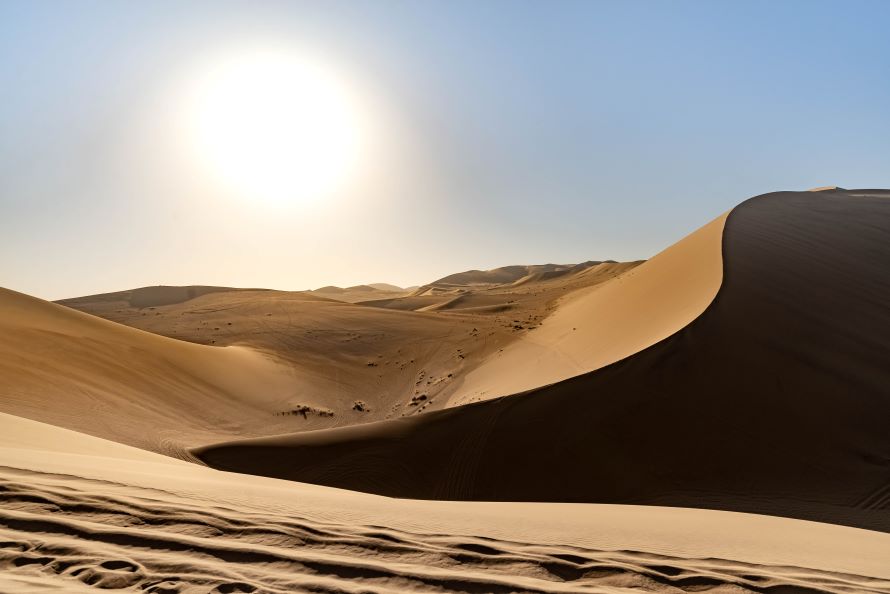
x=73 y=532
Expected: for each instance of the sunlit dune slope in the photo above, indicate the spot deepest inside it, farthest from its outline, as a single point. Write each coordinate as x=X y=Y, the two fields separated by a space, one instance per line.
x=353 y=363
x=349 y=363
x=80 y=514
x=74 y=370
x=606 y=322
x=774 y=400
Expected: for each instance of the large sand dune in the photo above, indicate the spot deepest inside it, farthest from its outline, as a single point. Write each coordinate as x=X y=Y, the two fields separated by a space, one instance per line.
x=774 y=400
x=605 y=322
x=768 y=395
x=80 y=514
x=78 y=371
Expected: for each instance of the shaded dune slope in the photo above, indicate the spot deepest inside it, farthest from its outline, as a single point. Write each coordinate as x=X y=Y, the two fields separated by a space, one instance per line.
x=775 y=400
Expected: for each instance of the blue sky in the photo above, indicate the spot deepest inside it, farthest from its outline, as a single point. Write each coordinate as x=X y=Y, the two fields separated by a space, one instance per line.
x=513 y=132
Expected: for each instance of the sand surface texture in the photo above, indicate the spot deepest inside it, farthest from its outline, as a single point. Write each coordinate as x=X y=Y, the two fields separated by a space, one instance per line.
x=80 y=514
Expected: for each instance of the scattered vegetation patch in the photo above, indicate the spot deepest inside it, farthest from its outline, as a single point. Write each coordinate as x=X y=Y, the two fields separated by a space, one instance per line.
x=304 y=410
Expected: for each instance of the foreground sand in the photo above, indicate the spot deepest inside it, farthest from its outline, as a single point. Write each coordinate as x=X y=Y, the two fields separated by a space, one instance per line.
x=79 y=513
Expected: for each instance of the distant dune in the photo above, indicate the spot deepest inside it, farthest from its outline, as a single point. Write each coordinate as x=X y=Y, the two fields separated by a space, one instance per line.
x=386 y=287
x=361 y=292
x=503 y=275
x=348 y=362
x=773 y=400
x=152 y=296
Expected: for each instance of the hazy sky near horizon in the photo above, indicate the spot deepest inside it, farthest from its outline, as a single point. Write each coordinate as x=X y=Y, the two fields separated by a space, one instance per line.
x=495 y=133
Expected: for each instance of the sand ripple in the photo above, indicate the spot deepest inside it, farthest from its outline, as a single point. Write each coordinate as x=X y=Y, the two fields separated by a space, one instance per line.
x=73 y=533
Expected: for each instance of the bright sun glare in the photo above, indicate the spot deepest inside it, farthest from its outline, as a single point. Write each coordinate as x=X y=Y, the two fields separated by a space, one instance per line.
x=275 y=127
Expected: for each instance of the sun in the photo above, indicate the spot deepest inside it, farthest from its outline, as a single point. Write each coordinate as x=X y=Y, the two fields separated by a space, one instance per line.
x=275 y=127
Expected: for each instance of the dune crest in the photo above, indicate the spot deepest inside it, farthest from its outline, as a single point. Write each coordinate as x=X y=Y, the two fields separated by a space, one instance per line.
x=599 y=325
x=772 y=401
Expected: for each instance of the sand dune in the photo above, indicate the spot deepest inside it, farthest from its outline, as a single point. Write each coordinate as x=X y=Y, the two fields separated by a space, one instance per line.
x=771 y=401
x=742 y=369
x=606 y=322
x=80 y=514
x=502 y=289
x=353 y=363
x=386 y=287
x=150 y=296
x=340 y=357
x=78 y=371
x=362 y=292
x=505 y=274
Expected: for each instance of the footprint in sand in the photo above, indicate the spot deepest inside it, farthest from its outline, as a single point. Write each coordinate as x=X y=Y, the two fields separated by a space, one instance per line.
x=233 y=587
x=110 y=574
